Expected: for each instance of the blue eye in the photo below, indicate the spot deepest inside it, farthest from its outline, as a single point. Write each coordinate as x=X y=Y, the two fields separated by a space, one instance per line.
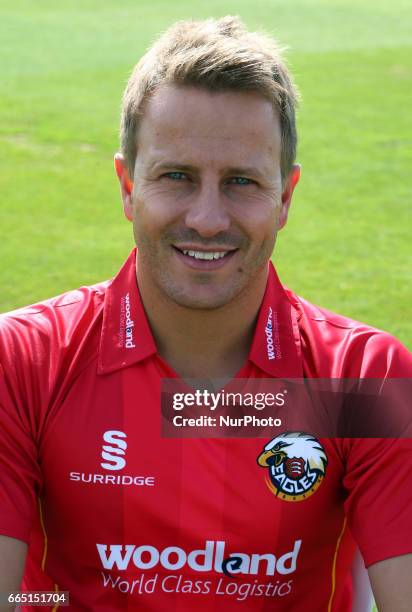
x=241 y=180
x=176 y=176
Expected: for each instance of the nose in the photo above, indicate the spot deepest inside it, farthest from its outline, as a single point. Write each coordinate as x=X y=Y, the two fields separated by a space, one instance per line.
x=207 y=213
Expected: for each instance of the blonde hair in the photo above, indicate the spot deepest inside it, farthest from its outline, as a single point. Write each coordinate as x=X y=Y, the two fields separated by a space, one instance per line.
x=218 y=55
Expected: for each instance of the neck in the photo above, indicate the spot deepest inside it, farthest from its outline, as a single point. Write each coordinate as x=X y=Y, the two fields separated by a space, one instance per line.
x=200 y=343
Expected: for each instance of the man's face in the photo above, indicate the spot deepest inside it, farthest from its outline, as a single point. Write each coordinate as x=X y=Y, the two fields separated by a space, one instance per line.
x=207 y=198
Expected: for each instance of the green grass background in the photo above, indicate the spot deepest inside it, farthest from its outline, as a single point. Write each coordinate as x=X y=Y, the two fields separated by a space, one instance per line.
x=63 y=68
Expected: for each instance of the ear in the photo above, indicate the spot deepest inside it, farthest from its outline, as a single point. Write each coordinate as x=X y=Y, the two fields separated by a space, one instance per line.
x=287 y=193
x=126 y=185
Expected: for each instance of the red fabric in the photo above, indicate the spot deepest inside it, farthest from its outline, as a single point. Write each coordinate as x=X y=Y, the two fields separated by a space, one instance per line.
x=68 y=377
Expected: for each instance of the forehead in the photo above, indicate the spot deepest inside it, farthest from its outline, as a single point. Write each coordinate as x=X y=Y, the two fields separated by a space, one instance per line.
x=192 y=122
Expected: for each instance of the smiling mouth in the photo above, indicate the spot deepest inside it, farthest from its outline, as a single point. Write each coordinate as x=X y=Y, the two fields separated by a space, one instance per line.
x=206 y=255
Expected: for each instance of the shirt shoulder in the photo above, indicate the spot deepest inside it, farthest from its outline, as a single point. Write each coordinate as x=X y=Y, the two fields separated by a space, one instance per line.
x=42 y=342
x=69 y=298
x=334 y=345
x=60 y=315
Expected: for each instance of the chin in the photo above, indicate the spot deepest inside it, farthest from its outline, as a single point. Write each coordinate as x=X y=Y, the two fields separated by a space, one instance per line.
x=191 y=300
x=201 y=303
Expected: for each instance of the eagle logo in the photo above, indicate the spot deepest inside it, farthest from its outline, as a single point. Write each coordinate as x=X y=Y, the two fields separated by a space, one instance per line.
x=297 y=465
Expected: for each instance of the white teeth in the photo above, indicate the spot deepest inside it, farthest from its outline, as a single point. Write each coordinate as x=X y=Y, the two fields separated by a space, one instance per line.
x=204 y=255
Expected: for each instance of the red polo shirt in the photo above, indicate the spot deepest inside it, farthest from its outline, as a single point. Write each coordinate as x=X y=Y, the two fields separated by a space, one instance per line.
x=126 y=520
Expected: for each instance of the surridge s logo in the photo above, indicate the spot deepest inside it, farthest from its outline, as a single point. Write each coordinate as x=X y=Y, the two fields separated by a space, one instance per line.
x=114 y=451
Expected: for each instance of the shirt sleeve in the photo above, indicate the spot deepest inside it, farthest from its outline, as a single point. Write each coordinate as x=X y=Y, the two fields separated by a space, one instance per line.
x=379 y=503
x=20 y=477
x=378 y=477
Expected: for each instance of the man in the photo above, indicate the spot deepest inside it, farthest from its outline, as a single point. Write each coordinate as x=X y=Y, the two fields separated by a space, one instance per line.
x=108 y=509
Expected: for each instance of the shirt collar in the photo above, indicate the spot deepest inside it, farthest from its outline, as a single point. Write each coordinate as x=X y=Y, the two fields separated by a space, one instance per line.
x=126 y=337
x=276 y=345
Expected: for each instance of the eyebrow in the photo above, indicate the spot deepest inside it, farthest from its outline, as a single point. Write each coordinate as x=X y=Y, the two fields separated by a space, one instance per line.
x=248 y=170
x=233 y=170
x=166 y=165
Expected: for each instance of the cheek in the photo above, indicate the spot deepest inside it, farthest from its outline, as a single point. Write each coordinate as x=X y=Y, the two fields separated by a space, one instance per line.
x=151 y=215
x=260 y=223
